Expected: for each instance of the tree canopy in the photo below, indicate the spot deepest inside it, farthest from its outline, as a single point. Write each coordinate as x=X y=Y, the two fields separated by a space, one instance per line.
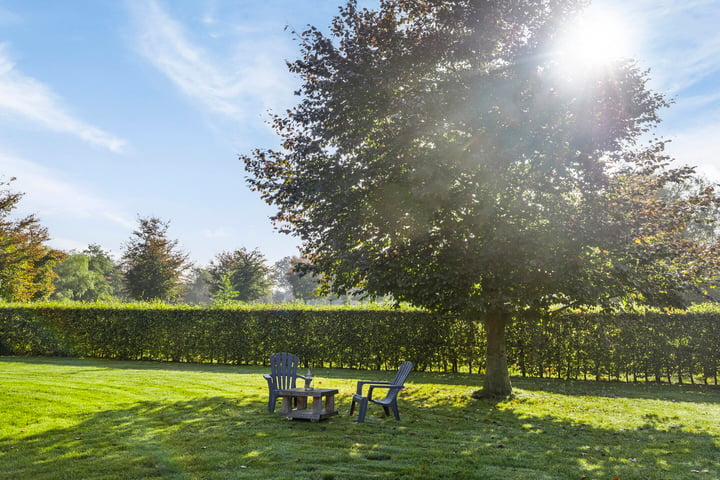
x=290 y=274
x=88 y=276
x=152 y=264
x=26 y=262
x=242 y=271
x=76 y=282
x=197 y=288
x=441 y=153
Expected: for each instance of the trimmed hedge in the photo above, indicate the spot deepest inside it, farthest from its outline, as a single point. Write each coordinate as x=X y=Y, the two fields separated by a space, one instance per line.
x=375 y=338
x=653 y=346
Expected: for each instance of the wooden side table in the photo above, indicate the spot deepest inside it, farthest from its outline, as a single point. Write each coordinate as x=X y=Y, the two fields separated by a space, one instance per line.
x=323 y=403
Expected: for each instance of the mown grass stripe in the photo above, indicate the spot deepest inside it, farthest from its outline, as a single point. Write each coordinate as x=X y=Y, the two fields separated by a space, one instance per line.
x=66 y=418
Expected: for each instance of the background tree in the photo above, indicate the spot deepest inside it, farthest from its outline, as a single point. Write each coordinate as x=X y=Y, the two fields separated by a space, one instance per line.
x=281 y=288
x=76 y=282
x=225 y=294
x=247 y=271
x=669 y=253
x=703 y=227
x=88 y=276
x=197 y=289
x=26 y=263
x=443 y=154
x=289 y=274
x=153 y=266
x=102 y=262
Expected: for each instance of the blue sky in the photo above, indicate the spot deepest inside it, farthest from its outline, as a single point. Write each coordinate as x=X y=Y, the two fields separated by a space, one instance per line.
x=110 y=109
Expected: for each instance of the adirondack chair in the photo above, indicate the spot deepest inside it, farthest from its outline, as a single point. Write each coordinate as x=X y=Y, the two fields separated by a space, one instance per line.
x=283 y=375
x=390 y=400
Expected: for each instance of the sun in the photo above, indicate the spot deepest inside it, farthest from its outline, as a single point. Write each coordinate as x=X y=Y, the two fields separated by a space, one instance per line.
x=595 y=39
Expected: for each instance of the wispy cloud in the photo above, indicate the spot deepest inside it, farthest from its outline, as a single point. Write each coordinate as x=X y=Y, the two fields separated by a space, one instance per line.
x=699 y=147
x=52 y=196
x=681 y=39
x=220 y=232
x=245 y=82
x=28 y=98
x=690 y=65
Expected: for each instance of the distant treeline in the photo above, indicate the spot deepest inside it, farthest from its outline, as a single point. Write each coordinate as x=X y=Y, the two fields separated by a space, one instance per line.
x=653 y=346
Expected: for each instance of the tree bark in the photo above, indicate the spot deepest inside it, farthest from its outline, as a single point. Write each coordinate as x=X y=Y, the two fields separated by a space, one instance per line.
x=497 y=376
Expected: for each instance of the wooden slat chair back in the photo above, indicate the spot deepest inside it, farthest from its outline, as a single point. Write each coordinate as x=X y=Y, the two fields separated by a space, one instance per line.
x=283 y=376
x=389 y=402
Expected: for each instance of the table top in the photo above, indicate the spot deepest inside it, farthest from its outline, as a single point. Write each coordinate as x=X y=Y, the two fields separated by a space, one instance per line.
x=301 y=392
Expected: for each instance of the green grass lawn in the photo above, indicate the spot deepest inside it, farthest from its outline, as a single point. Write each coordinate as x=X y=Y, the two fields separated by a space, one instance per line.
x=91 y=419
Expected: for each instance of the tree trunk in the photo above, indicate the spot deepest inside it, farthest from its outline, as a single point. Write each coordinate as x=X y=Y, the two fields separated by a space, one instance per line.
x=497 y=376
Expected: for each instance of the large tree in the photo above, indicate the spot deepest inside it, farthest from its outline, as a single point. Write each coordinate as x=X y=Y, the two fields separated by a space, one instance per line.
x=153 y=265
x=245 y=270
x=442 y=154
x=26 y=262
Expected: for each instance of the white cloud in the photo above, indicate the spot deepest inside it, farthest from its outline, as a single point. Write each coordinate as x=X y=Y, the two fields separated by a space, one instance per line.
x=680 y=38
x=248 y=81
x=49 y=195
x=221 y=232
x=691 y=104
x=698 y=147
x=28 y=98
x=687 y=66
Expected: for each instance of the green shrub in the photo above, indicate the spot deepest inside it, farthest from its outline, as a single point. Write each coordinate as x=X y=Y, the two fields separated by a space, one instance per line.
x=334 y=336
x=629 y=346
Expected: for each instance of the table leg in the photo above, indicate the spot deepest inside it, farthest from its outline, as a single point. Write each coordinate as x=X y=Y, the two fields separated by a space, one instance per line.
x=286 y=405
x=330 y=403
x=317 y=404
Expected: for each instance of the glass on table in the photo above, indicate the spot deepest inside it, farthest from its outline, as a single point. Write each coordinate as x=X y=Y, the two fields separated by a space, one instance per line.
x=308 y=379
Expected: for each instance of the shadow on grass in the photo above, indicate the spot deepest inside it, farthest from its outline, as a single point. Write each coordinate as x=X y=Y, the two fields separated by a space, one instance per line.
x=203 y=438
x=135 y=364
x=697 y=393
x=673 y=392
x=505 y=439
x=438 y=437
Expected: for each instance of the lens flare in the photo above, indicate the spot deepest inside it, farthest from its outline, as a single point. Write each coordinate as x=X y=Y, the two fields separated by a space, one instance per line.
x=595 y=39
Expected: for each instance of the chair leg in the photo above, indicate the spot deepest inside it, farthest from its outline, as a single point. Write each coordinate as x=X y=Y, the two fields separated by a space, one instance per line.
x=394 y=407
x=387 y=410
x=352 y=406
x=363 y=408
x=271 y=403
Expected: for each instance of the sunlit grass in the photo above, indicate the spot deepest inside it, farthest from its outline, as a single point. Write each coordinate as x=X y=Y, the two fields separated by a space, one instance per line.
x=89 y=419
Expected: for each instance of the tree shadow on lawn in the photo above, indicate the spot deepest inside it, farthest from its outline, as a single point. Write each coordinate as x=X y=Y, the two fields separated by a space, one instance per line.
x=697 y=393
x=202 y=438
x=646 y=391
x=331 y=373
x=222 y=437
x=136 y=364
x=504 y=439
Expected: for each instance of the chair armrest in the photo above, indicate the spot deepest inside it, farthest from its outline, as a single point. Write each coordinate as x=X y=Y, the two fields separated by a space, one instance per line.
x=362 y=382
x=269 y=380
x=389 y=386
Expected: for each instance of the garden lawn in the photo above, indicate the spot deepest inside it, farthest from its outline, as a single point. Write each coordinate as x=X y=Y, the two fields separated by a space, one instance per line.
x=91 y=419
